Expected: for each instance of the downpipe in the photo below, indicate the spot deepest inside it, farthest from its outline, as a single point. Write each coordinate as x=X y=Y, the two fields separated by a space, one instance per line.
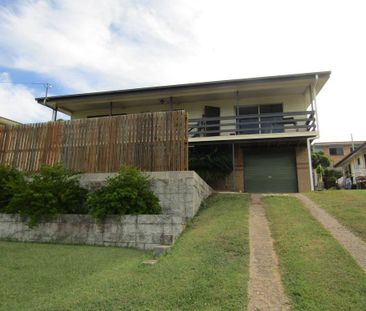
x=308 y=143
x=310 y=139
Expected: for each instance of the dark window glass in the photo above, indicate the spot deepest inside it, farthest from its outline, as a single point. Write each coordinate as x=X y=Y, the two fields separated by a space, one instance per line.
x=336 y=151
x=248 y=124
x=271 y=124
x=260 y=119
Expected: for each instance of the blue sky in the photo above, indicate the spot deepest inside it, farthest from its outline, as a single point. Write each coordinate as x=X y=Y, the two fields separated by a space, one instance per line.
x=89 y=45
x=35 y=81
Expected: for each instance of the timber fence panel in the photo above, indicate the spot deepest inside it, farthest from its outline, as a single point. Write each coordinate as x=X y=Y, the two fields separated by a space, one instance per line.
x=155 y=141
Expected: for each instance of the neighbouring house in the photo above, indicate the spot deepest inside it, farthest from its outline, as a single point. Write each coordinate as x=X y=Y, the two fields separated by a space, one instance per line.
x=336 y=151
x=265 y=125
x=354 y=165
x=5 y=121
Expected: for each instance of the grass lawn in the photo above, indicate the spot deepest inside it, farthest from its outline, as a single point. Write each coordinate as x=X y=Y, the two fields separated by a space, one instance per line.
x=318 y=274
x=207 y=270
x=348 y=206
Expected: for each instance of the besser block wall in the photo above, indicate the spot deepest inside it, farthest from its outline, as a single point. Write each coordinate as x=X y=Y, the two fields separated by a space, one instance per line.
x=180 y=195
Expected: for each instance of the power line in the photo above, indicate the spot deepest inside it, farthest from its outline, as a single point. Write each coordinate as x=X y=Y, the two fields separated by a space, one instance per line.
x=40 y=83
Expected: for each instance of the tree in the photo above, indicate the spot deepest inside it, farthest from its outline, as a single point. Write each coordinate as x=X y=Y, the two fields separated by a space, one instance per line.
x=319 y=158
x=320 y=162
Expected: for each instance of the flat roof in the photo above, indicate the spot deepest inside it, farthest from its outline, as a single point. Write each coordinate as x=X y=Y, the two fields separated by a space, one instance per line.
x=190 y=85
x=293 y=83
x=358 y=142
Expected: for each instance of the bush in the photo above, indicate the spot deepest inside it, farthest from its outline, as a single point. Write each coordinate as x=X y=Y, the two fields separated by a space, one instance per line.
x=212 y=163
x=330 y=178
x=53 y=191
x=127 y=193
x=11 y=182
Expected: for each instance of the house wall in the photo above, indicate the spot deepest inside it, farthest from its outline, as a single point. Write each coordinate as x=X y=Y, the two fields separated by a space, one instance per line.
x=302 y=168
x=195 y=109
x=334 y=158
x=5 y=121
x=356 y=169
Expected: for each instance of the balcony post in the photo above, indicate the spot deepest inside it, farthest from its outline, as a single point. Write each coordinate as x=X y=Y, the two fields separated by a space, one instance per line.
x=54 y=114
x=314 y=105
x=234 y=177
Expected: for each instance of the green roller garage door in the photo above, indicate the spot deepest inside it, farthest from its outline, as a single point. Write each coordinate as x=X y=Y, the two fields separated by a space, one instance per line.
x=270 y=171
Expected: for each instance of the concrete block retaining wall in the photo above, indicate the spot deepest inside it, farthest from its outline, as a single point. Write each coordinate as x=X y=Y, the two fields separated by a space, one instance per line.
x=180 y=195
x=142 y=231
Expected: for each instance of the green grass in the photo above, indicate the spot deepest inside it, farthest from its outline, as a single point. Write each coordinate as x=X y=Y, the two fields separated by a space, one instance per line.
x=348 y=206
x=318 y=274
x=206 y=270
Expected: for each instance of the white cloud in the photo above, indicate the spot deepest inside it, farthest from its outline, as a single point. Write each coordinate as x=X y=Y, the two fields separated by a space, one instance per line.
x=89 y=45
x=17 y=103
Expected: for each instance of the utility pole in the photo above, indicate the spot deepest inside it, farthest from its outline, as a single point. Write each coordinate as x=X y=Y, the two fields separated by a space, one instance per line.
x=54 y=112
x=353 y=144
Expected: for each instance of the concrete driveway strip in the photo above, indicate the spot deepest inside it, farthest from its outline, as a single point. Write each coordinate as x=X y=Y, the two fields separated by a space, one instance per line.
x=265 y=287
x=353 y=244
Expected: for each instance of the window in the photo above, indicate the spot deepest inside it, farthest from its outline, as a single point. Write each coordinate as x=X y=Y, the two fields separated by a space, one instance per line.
x=358 y=161
x=260 y=119
x=336 y=151
x=271 y=124
x=250 y=123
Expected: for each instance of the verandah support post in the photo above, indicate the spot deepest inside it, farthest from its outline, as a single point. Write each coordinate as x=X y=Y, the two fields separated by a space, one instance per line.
x=54 y=114
x=234 y=178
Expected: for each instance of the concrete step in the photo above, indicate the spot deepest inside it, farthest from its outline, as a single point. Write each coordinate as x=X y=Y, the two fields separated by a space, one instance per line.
x=150 y=262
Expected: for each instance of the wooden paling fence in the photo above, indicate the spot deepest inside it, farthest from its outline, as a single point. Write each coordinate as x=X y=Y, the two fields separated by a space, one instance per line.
x=150 y=141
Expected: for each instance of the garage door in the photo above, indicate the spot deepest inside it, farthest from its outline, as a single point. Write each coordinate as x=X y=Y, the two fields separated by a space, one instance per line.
x=270 y=171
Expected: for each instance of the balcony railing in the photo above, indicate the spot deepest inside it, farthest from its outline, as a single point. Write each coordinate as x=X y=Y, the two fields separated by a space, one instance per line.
x=265 y=123
x=360 y=171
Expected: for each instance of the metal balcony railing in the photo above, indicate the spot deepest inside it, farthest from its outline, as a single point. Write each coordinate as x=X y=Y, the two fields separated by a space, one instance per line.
x=265 y=123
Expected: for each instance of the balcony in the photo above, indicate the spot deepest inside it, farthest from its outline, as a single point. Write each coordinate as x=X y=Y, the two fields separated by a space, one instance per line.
x=298 y=123
x=359 y=171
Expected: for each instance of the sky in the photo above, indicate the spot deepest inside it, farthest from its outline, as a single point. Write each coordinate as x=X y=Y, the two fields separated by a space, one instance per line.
x=86 y=45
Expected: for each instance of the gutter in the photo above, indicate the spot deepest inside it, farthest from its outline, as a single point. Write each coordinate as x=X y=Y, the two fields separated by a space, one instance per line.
x=195 y=85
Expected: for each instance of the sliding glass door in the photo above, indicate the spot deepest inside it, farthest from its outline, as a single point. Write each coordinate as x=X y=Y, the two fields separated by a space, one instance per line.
x=259 y=119
x=248 y=121
x=271 y=124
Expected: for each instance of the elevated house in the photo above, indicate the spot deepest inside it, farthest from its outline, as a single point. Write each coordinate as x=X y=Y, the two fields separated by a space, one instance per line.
x=337 y=150
x=265 y=125
x=354 y=166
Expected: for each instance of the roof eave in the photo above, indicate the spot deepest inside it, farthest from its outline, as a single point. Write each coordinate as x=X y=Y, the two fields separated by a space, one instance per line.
x=347 y=157
x=323 y=74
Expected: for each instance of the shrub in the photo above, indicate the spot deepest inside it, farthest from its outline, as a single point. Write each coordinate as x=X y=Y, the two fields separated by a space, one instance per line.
x=127 y=193
x=53 y=191
x=330 y=178
x=211 y=162
x=11 y=182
